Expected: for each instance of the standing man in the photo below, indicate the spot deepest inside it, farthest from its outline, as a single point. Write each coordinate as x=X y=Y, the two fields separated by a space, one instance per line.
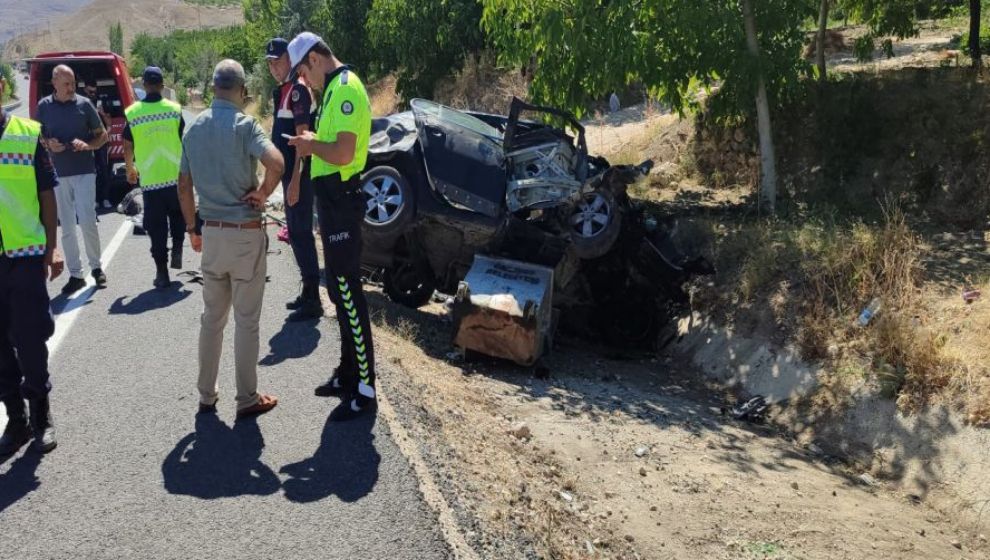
x=293 y=116
x=340 y=151
x=72 y=131
x=103 y=154
x=152 y=152
x=28 y=253
x=220 y=152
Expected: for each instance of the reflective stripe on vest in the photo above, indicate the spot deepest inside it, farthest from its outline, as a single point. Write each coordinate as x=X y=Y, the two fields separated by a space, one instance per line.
x=157 y=146
x=21 y=232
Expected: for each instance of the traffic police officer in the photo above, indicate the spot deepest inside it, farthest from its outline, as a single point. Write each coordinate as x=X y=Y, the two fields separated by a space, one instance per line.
x=28 y=253
x=294 y=112
x=340 y=151
x=152 y=152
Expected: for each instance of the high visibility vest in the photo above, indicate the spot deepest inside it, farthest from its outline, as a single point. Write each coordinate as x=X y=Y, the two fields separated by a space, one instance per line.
x=21 y=232
x=345 y=108
x=157 y=145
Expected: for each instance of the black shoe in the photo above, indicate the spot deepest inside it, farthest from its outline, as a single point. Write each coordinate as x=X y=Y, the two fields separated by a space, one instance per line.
x=73 y=285
x=353 y=408
x=162 y=280
x=101 y=279
x=296 y=303
x=17 y=433
x=176 y=262
x=309 y=310
x=42 y=426
x=337 y=385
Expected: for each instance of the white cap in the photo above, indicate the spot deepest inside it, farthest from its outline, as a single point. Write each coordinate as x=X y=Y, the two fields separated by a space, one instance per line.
x=300 y=46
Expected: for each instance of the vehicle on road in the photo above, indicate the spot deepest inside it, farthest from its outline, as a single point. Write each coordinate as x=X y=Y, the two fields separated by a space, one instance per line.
x=443 y=185
x=109 y=72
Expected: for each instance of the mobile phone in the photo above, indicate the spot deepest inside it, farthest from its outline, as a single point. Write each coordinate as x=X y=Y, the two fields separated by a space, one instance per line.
x=287 y=136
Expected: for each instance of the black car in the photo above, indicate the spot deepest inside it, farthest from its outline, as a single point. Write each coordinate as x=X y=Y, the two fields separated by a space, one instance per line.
x=443 y=185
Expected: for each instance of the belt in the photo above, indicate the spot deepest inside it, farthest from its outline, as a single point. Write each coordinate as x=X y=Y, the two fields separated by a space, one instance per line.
x=232 y=225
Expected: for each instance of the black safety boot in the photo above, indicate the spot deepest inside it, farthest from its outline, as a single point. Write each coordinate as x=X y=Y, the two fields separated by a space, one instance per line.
x=298 y=302
x=162 y=280
x=341 y=383
x=310 y=307
x=17 y=433
x=176 y=257
x=354 y=407
x=42 y=426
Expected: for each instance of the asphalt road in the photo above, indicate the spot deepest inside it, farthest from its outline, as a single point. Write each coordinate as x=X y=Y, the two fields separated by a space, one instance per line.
x=138 y=475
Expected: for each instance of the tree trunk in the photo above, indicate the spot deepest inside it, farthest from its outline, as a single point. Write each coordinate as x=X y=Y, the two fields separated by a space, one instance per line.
x=820 y=47
x=768 y=159
x=974 y=33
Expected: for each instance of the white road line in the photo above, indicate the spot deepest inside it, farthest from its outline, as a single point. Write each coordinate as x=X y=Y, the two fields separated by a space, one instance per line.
x=65 y=319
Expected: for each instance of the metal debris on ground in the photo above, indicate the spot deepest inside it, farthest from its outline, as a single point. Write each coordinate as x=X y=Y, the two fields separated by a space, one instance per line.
x=753 y=410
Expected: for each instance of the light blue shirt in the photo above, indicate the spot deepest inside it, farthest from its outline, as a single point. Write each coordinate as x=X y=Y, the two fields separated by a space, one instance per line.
x=220 y=151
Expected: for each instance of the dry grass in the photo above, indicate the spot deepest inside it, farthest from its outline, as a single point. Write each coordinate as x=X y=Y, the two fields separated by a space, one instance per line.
x=812 y=279
x=481 y=85
x=384 y=99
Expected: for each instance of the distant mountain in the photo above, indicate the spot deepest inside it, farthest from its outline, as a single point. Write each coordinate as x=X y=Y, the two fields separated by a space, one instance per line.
x=84 y=24
x=17 y=16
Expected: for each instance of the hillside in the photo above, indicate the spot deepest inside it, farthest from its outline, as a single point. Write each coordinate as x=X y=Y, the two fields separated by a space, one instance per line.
x=16 y=15
x=87 y=27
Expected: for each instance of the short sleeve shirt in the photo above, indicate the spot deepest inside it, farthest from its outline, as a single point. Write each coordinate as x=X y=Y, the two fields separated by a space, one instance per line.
x=66 y=121
x=220 y=151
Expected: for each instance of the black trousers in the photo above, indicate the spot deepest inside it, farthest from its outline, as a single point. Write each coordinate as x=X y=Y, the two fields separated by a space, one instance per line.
x=162 y=214
x=341 y=213
x=26 y=324
x=299 y=219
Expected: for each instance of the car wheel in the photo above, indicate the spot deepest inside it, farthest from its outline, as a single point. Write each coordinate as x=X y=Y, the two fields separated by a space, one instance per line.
x=408 y=283
x=595 y=224
x=389 y=204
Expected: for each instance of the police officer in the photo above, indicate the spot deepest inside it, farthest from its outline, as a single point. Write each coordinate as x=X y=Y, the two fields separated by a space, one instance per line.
x=340 y=151
x=294 y=114
x=152 y=152
x=28 y=253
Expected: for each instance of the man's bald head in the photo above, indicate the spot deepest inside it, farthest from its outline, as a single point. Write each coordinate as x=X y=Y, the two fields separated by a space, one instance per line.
x=64 y=82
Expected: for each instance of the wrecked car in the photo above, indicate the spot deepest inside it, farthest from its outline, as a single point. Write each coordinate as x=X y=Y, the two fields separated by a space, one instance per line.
x=444 y=185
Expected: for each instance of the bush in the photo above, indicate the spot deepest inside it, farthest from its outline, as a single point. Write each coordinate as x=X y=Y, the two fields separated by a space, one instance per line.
x=7 y=71
x=984 y=40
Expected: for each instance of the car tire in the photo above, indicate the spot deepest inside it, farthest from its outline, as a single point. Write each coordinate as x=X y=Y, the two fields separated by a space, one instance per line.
x=409 y=283
x=595 y=224
x=389 y=201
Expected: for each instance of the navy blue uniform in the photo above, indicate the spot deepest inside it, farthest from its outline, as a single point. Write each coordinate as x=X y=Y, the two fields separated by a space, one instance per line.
x=293 y=107
x=26 y=321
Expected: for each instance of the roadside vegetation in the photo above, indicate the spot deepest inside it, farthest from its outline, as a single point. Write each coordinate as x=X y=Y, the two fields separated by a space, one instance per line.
x=7 y=71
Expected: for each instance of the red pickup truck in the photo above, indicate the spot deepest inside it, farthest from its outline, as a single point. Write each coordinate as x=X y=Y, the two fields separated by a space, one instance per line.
x=109 y=72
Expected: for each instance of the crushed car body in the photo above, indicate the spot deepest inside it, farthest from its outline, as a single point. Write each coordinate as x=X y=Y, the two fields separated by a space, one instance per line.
x=443 y=186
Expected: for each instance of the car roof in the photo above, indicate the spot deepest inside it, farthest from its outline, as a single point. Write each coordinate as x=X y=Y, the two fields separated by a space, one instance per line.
x=74 y=55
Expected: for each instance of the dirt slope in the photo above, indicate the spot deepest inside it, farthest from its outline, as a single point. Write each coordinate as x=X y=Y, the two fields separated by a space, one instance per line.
x=87 y=27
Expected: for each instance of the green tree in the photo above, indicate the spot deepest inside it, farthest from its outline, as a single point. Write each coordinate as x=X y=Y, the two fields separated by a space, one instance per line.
x=7 y=72
x=581 y=51
x=117 y=38
x=423 y=40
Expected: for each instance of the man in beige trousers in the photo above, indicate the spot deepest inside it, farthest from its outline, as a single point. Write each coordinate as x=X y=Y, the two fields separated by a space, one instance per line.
x=220 y=152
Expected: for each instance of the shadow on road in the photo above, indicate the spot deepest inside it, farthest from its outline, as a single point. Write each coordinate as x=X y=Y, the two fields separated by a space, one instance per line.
x=150 y=300
x=345 y=465
x=217 y=461
x=293 y=341
x=20 y=479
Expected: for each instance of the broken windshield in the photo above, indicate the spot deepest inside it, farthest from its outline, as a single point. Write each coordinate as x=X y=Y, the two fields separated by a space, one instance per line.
x=452 y=117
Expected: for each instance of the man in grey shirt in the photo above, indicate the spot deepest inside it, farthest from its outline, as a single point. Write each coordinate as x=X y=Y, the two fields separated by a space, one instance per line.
x=220 y=153
x=72 y=131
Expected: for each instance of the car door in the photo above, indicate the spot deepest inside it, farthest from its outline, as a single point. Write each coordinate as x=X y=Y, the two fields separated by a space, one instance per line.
x=463 y=157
